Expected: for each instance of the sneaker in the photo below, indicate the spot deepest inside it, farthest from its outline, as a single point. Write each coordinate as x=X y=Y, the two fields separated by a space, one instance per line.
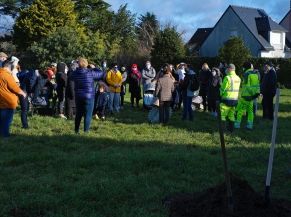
x=62 y=116
x=103 y=118
x=96 y=117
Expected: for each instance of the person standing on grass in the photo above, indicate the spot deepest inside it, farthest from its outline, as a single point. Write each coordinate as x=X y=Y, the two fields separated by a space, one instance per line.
x=61 y=80
x=189 y=86
x=70 y=93
x=268 y=90
x=213 y=92
x=229 y=91
x=148 y=74
x=114 y=80
x=134 y=85
x=84 y=92
x=250 y=91
x=9 y=91
x=204 y=77
x=123 y=86
x=164 y=90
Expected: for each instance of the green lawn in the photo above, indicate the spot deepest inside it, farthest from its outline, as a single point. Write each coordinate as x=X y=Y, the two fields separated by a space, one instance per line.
x=125 y=167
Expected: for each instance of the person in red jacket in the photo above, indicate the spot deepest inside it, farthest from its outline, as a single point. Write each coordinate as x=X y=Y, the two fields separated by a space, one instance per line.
x=134 y=85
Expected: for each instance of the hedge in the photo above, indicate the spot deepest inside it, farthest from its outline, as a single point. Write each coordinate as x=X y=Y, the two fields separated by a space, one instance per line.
x=283 y=66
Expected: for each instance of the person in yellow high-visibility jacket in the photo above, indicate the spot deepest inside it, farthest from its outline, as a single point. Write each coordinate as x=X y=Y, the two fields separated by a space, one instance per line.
x=229 y=91
x=250 y=91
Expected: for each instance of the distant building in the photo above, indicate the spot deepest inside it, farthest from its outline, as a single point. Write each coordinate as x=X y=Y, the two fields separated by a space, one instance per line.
x=198 y=39
x=263 y=36
x=286 y=23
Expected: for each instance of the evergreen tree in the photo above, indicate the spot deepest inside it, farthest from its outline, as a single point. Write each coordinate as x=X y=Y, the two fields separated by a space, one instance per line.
x=95 y=15
x=168 y=47
x=41 y=19
x=67 y=44
x=234 y=51
x=147 y=29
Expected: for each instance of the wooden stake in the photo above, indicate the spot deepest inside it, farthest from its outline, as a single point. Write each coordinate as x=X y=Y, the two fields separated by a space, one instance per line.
x=225 y=165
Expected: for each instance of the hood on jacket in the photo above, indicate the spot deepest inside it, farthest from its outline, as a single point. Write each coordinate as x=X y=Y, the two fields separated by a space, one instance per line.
x=61 y=67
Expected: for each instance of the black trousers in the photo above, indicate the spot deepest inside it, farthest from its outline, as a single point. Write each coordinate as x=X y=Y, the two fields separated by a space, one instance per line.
x=268 y=107
x=164 y=111
x=24 y=109
x=212 y=105
x=132 y=98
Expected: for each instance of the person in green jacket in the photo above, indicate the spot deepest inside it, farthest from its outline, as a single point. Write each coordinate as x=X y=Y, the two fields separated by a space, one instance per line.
x=229 y=91
x=250 y=91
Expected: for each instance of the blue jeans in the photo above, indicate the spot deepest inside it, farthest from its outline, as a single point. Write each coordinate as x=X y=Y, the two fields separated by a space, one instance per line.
x=24 y=109
x=6 y=117
x=84 y=107
x=187 y=107
x=114 y=102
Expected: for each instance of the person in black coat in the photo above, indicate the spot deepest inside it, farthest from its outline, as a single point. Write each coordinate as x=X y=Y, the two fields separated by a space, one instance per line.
x=134 y=85
x=204 y=76
x=70 y=93
x=213 y=90
x=61 y=80
x=268 y=90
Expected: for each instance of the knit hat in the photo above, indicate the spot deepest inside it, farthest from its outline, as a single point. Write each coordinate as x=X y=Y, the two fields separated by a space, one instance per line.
x=231 y=66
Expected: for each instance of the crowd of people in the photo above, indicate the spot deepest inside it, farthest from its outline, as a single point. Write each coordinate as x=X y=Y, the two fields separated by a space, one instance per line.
x=83 y=90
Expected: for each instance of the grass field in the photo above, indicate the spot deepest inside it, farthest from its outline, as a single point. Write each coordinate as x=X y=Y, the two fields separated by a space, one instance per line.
x=125 y=167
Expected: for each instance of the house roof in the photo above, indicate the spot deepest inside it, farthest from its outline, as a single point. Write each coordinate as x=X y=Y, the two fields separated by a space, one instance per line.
x=266 y=24
x=251 y=16
x=285 y=16
x=200 y=36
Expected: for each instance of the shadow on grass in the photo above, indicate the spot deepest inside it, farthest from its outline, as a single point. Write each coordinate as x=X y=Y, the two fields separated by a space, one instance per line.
x=81 y=175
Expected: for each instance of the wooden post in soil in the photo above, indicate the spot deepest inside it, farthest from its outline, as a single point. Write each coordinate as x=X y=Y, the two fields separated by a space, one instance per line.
x=272 y=149
x=225 y=165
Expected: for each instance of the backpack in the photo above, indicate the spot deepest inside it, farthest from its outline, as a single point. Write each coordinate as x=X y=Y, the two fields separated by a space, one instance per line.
x=193 y=83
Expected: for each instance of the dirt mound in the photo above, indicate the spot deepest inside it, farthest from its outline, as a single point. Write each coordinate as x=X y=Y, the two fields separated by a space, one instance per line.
x=213 y=203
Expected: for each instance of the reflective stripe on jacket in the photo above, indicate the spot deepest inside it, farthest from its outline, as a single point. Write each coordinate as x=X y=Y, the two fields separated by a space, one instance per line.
x=229 y=90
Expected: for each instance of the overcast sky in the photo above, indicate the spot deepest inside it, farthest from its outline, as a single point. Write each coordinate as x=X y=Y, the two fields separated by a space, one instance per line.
x=189 y=15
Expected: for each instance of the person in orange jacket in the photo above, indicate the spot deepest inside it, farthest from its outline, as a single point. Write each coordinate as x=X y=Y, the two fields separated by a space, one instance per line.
x=9 y=91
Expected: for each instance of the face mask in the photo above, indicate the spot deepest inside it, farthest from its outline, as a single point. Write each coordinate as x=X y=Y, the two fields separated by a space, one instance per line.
x=66 y=70
x=104 y=65
x=148 y=66
x=213 y=73
x=115 y=69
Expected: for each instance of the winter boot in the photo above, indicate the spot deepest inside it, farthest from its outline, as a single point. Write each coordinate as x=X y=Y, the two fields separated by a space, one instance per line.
x=249 y=125
x=236 y=125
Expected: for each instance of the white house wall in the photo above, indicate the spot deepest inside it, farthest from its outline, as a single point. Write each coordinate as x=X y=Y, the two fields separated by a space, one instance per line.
x=277 y=40
x=229 y=25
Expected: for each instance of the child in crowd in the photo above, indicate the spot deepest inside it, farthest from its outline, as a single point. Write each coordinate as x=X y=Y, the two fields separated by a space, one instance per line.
x=102 y=102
